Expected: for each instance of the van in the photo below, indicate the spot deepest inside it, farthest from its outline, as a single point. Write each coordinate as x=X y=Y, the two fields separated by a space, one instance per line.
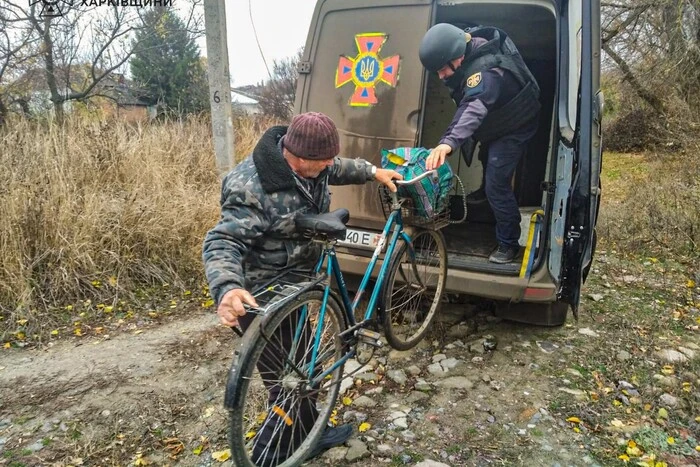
x=360 y=66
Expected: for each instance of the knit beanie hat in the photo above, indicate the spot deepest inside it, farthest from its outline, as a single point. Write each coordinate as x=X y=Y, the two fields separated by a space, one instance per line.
x=312 y=135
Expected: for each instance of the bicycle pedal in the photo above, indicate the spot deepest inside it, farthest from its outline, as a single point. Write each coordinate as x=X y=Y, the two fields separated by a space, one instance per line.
x=370 y=337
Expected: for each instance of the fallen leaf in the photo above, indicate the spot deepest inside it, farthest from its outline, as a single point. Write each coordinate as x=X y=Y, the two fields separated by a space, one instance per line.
x=22 y=322
x=7 y=345
x=667 y=370
x=663 y=413
x=69 y=307
x=108 y=309
x=112 y=281
x=690 y=284
x=209 y=412
x=221 y=456
x=209 y=303
x=617 y=423
x=198 y=450
x=347 y=401
x=670 y=440
x=54 y=332
x=577 y=429
x=624 y=458
x=634 y=452
x=364 y=427
x=138 y=331
x=78 y=332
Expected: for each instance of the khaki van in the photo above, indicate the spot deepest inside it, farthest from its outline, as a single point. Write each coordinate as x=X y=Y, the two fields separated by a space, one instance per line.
x=361 y=67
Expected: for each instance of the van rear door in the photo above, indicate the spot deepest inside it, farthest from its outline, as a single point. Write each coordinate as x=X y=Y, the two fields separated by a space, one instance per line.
x=360 y=66
x=584 y=194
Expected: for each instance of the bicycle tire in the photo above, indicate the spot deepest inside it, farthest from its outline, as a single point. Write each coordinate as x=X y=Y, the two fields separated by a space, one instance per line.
x=404 y=298
x=252 y=416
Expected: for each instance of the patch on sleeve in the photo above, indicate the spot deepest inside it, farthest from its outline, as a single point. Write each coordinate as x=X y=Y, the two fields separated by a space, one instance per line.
x=474 y=80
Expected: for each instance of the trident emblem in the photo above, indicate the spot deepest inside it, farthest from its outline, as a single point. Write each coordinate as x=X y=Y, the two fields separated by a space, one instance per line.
x=367 y=68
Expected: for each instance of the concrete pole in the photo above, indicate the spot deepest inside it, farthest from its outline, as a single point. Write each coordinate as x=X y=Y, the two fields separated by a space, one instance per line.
x=219 y=83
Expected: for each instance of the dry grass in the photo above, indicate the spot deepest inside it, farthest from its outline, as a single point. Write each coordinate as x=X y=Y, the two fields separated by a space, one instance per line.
x=104 y=201
x=651 y=204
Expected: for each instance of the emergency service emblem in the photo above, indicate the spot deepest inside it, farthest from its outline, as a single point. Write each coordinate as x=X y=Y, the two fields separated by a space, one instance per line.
x=474 y=80
x=367 y=69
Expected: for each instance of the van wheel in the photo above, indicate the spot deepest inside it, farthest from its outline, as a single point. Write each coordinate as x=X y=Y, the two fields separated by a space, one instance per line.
x=540 y=314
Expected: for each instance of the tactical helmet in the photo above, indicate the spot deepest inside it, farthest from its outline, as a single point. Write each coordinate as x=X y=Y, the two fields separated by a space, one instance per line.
x=440 y=45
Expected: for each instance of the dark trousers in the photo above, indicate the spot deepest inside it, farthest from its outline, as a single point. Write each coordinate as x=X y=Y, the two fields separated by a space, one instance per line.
x=287 y=421
x=502 y=157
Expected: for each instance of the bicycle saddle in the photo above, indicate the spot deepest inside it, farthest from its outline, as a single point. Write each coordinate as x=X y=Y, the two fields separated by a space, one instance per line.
x=331 y=224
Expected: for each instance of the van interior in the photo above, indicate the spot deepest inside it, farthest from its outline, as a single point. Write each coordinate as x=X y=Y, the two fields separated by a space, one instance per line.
x=533 y=29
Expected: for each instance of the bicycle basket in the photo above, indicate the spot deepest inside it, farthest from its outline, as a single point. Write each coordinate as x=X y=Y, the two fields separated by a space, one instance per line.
x=425 y=203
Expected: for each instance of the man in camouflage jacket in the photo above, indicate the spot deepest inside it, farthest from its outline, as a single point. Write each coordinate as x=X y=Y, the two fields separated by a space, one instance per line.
x=288 y=174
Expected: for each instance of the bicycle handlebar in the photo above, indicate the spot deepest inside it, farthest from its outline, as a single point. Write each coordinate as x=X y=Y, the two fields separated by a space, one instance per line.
x=418 y=178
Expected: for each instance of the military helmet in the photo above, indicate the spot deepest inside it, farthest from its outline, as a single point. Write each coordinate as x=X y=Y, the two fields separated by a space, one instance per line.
x=441 y=44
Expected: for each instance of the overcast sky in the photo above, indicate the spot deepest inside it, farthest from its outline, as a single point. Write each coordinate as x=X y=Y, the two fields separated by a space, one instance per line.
x=282 y=26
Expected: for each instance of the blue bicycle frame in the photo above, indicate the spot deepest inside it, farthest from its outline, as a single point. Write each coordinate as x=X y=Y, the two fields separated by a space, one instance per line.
x=394 y=224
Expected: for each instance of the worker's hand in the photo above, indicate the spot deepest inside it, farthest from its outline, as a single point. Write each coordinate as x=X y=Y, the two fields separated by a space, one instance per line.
x=231 y=306
x=437 y=156
x=385 y=177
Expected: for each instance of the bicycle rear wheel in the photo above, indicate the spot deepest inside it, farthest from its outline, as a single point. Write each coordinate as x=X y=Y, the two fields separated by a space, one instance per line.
x=413 y=288
x=277 y=417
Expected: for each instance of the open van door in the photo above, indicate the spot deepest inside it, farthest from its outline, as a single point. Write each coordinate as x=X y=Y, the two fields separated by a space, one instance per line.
x=360 y=67
x=584 y=195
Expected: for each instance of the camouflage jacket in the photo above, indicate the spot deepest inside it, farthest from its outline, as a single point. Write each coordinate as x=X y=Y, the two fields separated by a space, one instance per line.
x=255 y=238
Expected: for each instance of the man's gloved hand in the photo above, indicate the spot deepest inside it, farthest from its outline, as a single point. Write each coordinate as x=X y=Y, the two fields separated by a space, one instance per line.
x=437 y=156
x=231 y=306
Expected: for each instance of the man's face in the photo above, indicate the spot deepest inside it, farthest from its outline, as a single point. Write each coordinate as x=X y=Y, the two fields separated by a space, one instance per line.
x=308 y=168
x=447 y=71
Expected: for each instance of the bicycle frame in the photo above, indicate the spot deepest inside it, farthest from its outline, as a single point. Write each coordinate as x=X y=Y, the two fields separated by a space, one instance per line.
x=394 y=224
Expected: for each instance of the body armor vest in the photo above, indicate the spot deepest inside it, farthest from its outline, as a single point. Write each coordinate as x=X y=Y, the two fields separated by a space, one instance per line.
x=500 y=51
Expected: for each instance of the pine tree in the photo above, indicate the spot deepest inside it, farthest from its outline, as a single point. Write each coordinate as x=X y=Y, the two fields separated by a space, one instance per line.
x=167 y=66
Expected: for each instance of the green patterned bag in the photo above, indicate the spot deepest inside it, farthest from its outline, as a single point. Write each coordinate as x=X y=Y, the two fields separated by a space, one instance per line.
x=431 y=195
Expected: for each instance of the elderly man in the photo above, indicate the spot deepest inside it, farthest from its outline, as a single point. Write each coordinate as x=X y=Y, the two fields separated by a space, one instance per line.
x=288 y=174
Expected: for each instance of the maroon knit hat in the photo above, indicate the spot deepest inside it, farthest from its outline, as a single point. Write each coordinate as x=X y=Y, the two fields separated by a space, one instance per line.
x=312 y=135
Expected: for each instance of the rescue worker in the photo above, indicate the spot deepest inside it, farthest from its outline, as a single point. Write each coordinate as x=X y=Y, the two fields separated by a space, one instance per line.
x=288 y=173
x=497 y=105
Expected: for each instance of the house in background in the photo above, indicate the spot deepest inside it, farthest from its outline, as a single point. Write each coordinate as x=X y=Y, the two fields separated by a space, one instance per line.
x=244 y=104
x=113 y=96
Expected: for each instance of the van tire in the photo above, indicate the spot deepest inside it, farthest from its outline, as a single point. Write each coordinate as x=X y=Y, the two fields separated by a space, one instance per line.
x=540 y=314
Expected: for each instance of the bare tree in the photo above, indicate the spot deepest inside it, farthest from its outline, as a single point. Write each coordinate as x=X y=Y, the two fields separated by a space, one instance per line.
x=277 y=95
x=18 y=48
x=83 y=45
x=656 y=47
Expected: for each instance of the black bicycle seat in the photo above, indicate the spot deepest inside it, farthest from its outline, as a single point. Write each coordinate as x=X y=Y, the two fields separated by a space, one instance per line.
x=331 y=224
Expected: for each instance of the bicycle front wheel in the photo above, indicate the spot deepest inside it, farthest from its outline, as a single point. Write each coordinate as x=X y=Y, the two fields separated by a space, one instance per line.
x=279 y=412
x=413 y=288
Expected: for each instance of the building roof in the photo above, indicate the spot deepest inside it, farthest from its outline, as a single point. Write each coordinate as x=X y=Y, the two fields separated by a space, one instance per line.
x=237 y=98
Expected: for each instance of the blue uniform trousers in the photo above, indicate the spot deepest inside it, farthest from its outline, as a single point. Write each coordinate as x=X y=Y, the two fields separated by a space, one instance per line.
x=503 y=157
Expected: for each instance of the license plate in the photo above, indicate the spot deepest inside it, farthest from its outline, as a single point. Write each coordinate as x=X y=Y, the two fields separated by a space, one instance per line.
x=361 y=239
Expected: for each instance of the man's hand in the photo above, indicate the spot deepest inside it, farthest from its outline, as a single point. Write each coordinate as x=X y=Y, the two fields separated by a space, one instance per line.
x=385 y=177
x=231 y=306
x=437 y=156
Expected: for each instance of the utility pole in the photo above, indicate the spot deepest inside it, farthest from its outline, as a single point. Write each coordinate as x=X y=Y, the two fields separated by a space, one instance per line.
x=219 y=83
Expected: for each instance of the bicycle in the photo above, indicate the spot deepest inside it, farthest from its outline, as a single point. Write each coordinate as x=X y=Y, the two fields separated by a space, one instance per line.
x=285 y=378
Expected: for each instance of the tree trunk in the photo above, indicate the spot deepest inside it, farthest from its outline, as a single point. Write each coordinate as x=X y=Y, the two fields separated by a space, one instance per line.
x=647 y=96
x=56 y=97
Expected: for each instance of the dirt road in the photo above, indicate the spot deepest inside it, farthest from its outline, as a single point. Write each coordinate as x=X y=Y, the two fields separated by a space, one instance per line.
x=622 y=381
